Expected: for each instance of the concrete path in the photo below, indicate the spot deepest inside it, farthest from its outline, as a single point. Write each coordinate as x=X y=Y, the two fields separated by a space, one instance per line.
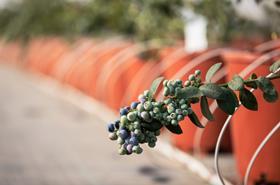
x=46 y=141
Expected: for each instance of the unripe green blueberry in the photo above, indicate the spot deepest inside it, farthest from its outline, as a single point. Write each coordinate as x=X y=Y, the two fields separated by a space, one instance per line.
x=156 y=110
x=191 y=77
x=170 y=109
x=165 y=91
x=167 y=101
x=124 y=120
x=157 y=133
x=145 y=115
x=137 y=149
x=136 y=125
x=146 y=93
x=151 y=144
x=174 y=122
x=171 y=89
x=137 y=132
x=148 y=105
x=140 y=107
x=113 y=136
x=178 y=111
x=165 y=82
x=169 y=83
x=190 y=110
x=154 y=139
x=173 y=115
x=184 y=106
x=182 y=101
x=187 y=83
x=131 y=116
x=122 y=151
x=197 y=72
x=177 y=89
x=120 y=141
x=180 y=117
x=185 y=112
x=178 y=82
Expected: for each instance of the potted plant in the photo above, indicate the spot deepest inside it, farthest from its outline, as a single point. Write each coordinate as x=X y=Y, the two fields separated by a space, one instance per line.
x=141 y=122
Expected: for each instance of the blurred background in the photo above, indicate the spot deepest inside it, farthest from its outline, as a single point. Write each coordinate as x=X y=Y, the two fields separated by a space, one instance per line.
x=67 y=66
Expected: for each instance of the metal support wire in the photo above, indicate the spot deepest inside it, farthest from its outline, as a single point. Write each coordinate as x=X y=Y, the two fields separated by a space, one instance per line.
x=261 y=146
x=216 y=157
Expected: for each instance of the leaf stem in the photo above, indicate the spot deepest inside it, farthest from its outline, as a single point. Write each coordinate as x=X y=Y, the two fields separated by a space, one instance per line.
x=273 y=77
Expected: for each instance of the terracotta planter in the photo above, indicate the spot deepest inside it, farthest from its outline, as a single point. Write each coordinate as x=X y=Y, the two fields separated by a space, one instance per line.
x=249 y=128
x=173 y=63
x=55 y=48
x=113 y=86
x=185 y=141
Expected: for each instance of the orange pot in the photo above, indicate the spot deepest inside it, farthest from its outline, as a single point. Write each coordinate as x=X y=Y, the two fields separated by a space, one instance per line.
x=249 y=128
x=209 y=137
x=119 y=78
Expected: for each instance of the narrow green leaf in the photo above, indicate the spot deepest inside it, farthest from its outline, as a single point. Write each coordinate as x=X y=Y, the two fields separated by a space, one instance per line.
x=271 y=96
x=211 y=71
x=154 y=126
x=189 y=92
x=205 y=108
x=213 y=91
x=276 y=65
x=194 y=119
x=229 y=104
x=237 y=83
x=265 y=84
x=174 y=129
x=154 y=87
x=248 y=99
x=252 y=84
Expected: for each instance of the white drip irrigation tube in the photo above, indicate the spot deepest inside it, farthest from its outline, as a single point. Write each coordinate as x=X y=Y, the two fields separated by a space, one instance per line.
x=245 y=72
x=261 y=146
x=213 y=107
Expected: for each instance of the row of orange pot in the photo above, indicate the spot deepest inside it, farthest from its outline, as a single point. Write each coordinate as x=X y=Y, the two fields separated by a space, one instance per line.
x=112 y=71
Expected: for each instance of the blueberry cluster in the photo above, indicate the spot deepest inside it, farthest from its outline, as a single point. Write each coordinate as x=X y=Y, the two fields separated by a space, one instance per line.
x=141 y=122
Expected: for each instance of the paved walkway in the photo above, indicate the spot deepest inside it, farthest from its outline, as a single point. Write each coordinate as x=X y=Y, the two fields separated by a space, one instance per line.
x=46 y=141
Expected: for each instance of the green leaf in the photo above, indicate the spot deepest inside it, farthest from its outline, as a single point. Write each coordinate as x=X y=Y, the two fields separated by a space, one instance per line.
x=252 y=84
x=174 y=129
x=194 y=119
x=237 y=83
x=189 y=92
x=276 y=65
x=270 y=96
x=154 y=87
x=230 y=103
x=154 y=126
x=248 y=99
x=265 y=84
x=205 y=108
x=213 y=91
x=211 y=71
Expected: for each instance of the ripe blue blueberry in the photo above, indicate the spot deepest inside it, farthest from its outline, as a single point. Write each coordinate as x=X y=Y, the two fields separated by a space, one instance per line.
x=117 y=124
x=123 y=134
x=133 y=141
x=123 y=111
x=134 y=105
x=111 y=127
